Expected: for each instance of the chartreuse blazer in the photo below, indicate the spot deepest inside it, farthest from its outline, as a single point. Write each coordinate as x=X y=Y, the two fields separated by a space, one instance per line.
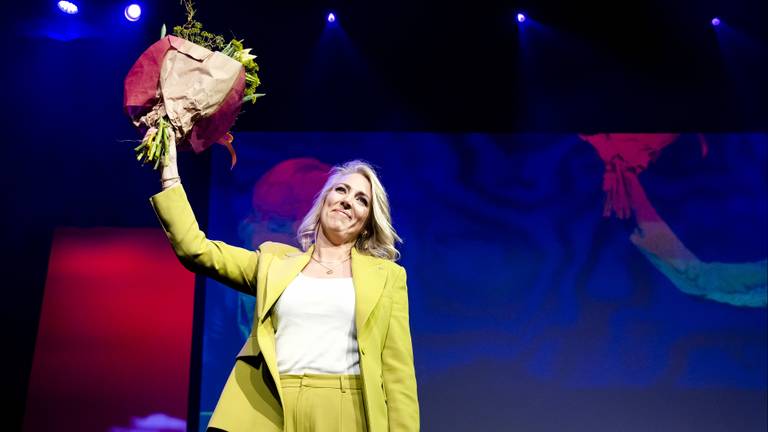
x=252 y=397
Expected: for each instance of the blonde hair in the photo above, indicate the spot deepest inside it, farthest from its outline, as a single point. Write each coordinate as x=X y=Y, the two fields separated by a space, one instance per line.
x=378 y=237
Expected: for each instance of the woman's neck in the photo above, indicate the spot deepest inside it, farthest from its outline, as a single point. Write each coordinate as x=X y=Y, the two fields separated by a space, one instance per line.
x=326 y=250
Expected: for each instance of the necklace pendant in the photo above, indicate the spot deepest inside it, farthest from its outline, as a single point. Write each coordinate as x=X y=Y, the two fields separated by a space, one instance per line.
x=329 y=272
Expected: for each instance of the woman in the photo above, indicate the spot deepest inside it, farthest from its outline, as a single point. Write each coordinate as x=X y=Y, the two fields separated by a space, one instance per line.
x=330 y=348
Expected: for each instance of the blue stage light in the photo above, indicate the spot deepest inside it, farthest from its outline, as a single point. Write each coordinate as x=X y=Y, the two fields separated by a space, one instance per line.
x=133 y=12
x=67 y=7
x=715 y=21
x=331 y=17
x=520 y=17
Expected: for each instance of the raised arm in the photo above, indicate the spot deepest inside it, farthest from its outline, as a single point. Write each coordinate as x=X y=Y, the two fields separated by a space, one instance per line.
x=230 y=265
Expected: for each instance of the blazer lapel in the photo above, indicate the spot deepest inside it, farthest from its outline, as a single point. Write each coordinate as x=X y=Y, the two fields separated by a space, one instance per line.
x=368 y=278
x=281 y=272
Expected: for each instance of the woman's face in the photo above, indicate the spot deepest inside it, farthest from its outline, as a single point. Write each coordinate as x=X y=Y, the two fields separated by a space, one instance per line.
x=346 y=208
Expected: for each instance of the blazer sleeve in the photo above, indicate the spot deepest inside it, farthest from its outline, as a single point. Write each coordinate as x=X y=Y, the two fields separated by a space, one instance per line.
x=398 y=371
x=230 y=265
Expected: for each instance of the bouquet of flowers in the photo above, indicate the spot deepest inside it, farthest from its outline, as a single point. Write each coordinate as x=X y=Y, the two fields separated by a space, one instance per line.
x=187 y=89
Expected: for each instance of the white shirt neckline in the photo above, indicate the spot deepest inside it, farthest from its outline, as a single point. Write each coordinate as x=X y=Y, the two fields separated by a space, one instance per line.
x=322 y=278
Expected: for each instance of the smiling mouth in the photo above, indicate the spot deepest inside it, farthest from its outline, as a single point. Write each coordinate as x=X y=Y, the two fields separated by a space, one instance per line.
x=343 y=212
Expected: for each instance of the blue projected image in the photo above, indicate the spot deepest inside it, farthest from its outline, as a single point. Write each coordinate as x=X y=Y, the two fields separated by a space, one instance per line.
x=534 y=305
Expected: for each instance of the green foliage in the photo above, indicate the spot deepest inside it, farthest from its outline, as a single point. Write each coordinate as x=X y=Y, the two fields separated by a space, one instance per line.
x=193 y=31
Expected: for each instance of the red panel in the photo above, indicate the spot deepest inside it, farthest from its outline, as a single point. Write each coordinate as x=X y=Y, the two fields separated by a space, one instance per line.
x=115 y=332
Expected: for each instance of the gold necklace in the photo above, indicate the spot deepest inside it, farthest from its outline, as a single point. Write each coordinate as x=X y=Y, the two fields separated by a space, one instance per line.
x=330 y=270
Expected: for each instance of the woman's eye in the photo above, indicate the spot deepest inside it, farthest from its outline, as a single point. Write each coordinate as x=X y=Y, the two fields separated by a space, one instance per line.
x=340 y=189
x=363 y=200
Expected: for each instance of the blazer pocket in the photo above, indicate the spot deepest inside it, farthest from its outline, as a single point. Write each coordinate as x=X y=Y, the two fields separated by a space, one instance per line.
x=250 y=348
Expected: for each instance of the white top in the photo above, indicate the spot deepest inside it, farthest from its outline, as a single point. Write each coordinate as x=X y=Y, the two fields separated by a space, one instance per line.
x=316 y=330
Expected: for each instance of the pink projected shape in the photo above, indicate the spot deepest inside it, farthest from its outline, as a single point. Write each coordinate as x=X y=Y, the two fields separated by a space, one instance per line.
x=625 y=156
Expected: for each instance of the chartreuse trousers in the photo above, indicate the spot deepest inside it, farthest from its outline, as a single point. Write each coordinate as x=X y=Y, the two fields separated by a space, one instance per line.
x=323 y=403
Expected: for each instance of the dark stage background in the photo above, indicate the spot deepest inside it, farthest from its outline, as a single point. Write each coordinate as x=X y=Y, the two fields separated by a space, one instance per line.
x=573 y=327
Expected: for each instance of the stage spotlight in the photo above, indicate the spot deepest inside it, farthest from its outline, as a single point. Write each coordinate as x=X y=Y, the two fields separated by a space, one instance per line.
x=715 y=21
x=331 y=17
x=67 y=7
x=520 y=17
x=133 y=12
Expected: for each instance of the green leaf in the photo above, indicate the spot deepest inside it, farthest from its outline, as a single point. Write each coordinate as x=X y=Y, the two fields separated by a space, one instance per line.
x=252 y=97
